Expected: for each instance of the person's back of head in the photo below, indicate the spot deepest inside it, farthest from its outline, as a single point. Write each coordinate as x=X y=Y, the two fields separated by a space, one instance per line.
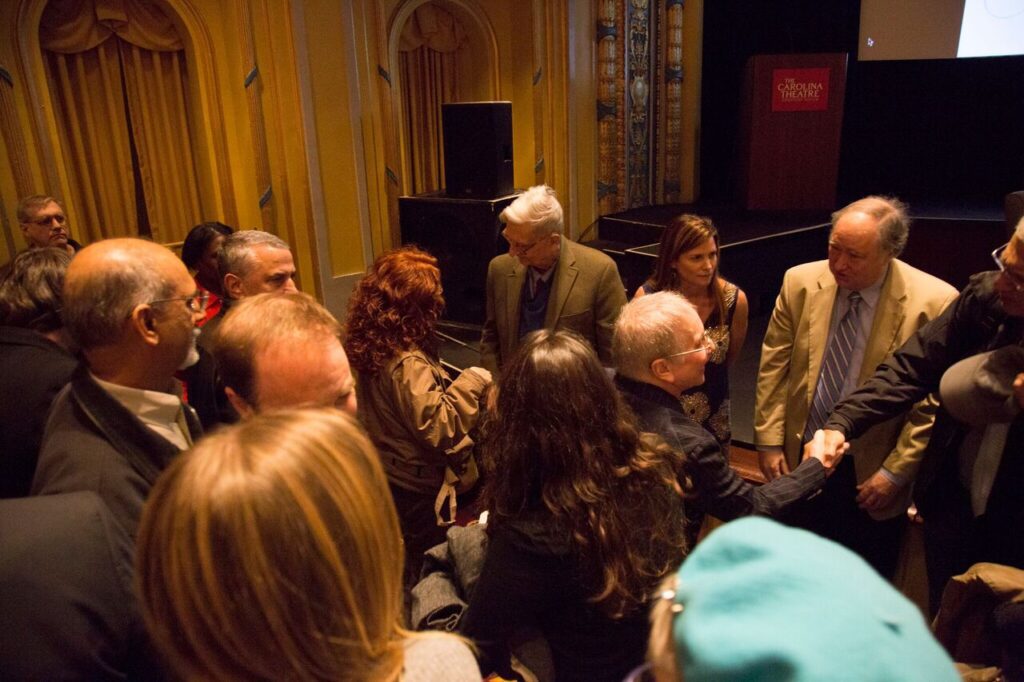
x=272 y=551
x=562 y=442
x=282 y=351
x=757 y=600
x=31 y=292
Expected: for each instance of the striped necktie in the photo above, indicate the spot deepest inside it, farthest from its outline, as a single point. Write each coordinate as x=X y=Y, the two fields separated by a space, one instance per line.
x=835 y=367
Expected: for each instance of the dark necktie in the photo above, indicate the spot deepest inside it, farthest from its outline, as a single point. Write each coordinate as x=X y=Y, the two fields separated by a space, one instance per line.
x=834 y=369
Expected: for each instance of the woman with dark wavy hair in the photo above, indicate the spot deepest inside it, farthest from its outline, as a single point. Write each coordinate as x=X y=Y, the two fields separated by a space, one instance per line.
x=688 y=264
x=199 y=253
x=585 y=515
x=418 y=418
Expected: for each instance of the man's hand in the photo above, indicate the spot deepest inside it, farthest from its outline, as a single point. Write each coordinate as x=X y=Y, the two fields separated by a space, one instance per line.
x=828 y=447
x=772 y=463
x=876 y=493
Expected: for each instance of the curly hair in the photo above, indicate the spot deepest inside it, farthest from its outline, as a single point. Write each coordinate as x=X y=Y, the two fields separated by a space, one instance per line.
x=684 y=233
x=394 y=308
x=578 y=457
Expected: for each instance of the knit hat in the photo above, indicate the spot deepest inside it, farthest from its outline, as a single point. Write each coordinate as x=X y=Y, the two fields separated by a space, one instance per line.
x=762 y=601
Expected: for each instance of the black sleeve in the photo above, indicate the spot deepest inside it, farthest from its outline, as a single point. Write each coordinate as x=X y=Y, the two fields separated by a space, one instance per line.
x=513 y=586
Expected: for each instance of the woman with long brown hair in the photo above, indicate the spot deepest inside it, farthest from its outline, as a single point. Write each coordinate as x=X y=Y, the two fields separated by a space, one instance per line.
x=419 y=419
x=585 y=515
x=271 y=551
x=687 y=263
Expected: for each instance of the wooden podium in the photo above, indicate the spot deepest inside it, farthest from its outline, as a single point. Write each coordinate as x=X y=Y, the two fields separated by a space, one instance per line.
x=790 y=127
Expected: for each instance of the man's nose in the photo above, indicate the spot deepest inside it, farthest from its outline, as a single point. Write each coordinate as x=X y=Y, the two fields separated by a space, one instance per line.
x=290 y=287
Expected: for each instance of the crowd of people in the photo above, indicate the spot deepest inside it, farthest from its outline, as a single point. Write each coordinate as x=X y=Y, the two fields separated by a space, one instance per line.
x=205 y=474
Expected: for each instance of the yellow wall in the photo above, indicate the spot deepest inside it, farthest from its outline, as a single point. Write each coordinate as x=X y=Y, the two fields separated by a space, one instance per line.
x=329 y=115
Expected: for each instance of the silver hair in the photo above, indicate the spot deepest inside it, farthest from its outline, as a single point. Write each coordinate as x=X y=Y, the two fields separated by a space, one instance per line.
x=236 y=254
x=537 y=207
x=96 y=306
x=28 y=206
x=891 y=214
x=646 y=331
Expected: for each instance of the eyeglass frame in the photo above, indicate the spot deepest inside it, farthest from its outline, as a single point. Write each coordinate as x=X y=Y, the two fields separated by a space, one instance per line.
x=201 y=297
x=515 y=246
x=48 y=221
x=1016 y=280
x=707 y=343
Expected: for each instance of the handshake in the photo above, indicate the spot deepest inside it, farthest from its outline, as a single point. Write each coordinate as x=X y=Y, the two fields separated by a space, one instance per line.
x=828 y=447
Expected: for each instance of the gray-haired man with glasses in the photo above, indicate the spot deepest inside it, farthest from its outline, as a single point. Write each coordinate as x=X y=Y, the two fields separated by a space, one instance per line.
x=660 y=350
x=44 y=223
x=961 y=527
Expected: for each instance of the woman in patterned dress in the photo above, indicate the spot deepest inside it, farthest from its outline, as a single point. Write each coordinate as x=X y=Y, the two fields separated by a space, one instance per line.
x=688 y=264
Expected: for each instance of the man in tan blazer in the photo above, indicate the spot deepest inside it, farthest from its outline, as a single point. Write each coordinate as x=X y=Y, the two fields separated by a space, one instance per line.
x=546 y=281
x=863 y=504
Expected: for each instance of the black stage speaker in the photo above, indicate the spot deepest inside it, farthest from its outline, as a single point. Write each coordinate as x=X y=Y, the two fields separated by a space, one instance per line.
x=464 y=235
x=477 y=149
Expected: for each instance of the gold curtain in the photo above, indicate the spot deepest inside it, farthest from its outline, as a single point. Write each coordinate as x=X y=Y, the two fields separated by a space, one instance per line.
x=426 y=60
x=118 y=83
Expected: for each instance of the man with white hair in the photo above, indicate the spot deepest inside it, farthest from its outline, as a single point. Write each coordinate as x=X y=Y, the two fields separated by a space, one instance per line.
x=660 y=350
x=546 y=281
x=44 y=224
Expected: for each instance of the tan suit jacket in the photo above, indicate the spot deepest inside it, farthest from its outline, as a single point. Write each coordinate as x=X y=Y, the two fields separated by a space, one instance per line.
x=586 y=296
x=794 y=349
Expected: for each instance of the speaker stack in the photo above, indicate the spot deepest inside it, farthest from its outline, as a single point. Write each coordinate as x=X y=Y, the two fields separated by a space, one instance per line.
x=460 y=225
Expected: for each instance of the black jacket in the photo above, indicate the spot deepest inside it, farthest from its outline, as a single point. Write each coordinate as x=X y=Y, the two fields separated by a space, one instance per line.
x=93 y=443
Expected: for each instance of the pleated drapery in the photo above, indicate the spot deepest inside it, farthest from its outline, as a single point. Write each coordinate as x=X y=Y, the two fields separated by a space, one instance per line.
x=427 y=54
x=119 y=85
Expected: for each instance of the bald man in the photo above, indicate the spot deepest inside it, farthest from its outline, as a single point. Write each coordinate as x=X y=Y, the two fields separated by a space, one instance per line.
x=132 y=308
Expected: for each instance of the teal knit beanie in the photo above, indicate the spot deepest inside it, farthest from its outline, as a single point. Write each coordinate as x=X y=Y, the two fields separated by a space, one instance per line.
x=761 y=601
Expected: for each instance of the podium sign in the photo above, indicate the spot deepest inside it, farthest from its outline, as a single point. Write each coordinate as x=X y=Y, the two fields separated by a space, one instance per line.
x=791 y=123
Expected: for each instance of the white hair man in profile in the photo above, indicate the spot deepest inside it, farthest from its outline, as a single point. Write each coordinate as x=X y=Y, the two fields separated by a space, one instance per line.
x=660 y=351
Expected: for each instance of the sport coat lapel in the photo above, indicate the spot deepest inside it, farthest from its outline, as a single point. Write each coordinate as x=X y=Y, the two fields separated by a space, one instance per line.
x=513 y=291
x=564 y=279
x=820 y=302
x=885 y=328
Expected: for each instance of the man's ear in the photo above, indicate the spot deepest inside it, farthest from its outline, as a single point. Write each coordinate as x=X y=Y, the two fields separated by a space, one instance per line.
x=143 y=322
x=241 y=405
x=233 y=286
x=661 y=370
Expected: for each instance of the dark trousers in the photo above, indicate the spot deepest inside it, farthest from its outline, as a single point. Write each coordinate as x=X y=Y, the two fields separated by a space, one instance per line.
x=420 y=531
x=834 y=514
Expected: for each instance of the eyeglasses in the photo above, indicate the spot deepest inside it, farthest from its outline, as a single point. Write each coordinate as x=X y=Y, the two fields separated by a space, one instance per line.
x=196 y=302
x=518 y=246
x=706 y=344
x=59 y=218
x=1016 y=280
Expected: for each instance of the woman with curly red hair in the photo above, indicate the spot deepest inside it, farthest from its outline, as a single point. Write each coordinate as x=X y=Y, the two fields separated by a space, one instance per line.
x=418 y=418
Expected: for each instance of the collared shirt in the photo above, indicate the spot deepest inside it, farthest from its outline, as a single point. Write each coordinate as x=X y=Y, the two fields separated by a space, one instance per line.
x=534 y=276
x=161 y=412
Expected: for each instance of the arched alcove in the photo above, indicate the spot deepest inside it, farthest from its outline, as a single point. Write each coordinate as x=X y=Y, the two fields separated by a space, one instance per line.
x=477 y=72
x=205 y=111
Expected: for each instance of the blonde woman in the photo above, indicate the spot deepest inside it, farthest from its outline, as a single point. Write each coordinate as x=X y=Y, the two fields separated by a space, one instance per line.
x=272 y=551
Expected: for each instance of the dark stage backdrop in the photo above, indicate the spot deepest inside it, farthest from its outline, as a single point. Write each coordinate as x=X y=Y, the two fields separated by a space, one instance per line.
x=942 y=134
